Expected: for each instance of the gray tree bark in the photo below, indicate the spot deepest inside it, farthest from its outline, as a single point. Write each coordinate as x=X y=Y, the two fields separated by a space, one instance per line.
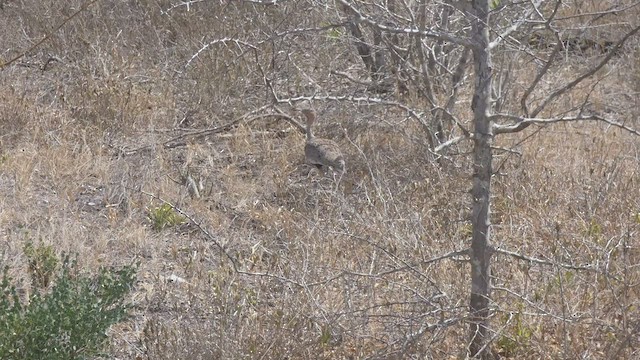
x=480 y=252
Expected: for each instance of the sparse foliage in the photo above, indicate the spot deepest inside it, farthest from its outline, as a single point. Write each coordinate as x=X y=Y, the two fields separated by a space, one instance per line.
x=69 y=321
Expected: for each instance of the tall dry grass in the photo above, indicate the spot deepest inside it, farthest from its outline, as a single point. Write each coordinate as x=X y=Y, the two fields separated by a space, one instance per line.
x=320 y=270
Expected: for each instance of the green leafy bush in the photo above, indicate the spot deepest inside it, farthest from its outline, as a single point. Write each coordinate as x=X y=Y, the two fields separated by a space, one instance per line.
x=69 y=321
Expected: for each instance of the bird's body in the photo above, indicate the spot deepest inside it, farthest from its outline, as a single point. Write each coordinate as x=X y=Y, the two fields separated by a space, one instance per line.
x=321 y=152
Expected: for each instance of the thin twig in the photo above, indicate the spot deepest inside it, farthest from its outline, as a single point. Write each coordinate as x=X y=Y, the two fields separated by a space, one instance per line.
x=84 y=7
x=545 y=262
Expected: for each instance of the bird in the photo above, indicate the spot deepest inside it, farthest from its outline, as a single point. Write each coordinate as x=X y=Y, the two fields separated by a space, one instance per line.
x=319 y=152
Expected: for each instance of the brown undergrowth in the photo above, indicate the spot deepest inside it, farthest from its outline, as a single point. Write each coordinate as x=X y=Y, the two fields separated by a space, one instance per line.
x=294 y=264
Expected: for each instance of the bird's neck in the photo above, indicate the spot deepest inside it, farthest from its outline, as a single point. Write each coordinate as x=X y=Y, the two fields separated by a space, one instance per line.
x=309 y=132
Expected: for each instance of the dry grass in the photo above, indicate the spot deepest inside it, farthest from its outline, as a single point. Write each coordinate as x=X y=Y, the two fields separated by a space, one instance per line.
x=327 y=271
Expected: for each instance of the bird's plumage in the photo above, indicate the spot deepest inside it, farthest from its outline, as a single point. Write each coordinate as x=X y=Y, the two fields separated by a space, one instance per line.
x=321 y=152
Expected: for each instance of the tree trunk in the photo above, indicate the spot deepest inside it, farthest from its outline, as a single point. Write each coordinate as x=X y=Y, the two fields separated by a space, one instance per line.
x=481 y=191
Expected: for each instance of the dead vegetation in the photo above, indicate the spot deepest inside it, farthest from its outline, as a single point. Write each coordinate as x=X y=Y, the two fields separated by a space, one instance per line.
x=291 y=264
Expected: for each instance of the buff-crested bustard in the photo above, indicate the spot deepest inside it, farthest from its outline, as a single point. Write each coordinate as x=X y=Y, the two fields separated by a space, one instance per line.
x=319 y=152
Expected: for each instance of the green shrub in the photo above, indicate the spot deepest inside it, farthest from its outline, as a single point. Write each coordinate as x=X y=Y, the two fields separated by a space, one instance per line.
x=165 y=216
x=42 y=261
x=69 y=321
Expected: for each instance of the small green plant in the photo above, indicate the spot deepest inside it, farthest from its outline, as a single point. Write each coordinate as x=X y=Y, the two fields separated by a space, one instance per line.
x=517 y=340
x=42 y=263
x=165 y=216
x=466 y=230
x=594 y=230
x=67 y=322
x=334 y=34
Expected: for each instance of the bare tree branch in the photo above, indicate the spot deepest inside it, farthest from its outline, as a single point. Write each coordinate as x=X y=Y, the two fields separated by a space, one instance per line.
x=610 y=11
x=82 y=8
x=541 y=73
x=451 y=142
x=186 y=4
x=522 y=123
x=254 y=47
x=587 y=74
x=407 y=31
x=540 y=310
x=545 y=262
x=515 y=26
x=223 y=41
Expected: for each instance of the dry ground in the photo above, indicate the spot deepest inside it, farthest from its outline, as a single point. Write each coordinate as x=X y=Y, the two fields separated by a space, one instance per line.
x=293 y=264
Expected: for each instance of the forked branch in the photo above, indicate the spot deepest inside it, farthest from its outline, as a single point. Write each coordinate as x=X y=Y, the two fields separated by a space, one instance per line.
x=586 y=75
x=521 y=123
